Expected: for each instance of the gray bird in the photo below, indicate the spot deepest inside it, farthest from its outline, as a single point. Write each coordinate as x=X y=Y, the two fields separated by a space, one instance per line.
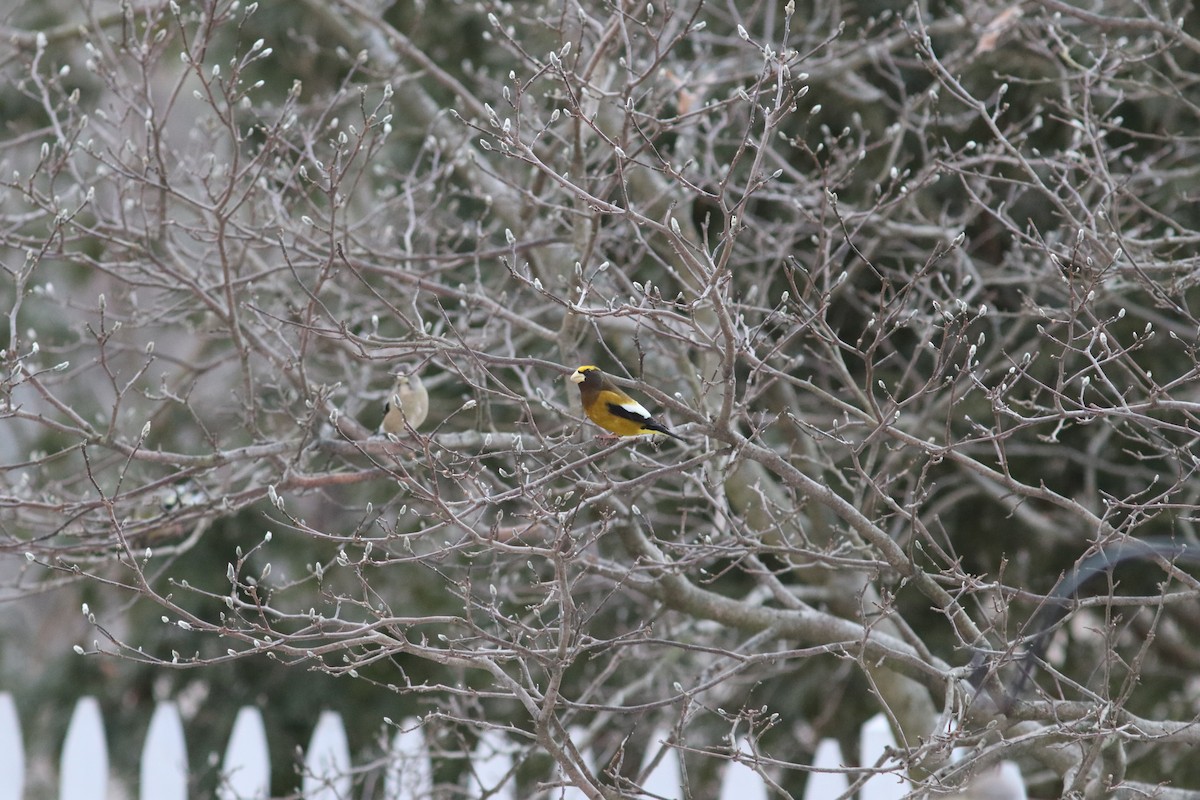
x=408 y=402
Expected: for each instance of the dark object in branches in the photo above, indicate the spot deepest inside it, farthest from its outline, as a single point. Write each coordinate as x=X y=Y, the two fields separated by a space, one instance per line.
x=1058 y=605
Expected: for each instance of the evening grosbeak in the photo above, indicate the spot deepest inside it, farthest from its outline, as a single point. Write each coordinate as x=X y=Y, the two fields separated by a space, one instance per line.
x=610 y=408
x=407 y=402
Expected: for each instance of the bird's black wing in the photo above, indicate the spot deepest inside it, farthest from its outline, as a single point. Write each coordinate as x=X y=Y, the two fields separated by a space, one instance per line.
x=631 y=414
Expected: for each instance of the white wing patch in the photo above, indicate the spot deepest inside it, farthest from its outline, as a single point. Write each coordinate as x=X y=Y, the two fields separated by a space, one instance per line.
x=633 y=408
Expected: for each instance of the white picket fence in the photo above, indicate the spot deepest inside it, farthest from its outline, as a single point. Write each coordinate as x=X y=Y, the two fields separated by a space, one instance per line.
x=245 y=770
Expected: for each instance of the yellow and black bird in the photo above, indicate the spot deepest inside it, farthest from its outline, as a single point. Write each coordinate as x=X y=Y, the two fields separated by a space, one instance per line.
x=610 y=408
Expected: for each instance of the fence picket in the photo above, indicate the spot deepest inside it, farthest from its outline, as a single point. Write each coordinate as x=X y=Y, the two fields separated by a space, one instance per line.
x=409 y=773
x=739 y=781
x=164 y=770
x=826 y=785
x=491 y=767
x=83 y=771
x=12 y=750
x=873 y=741
x=246 y=769
x=1009 y=782
x=327 y=760
x=665 y=780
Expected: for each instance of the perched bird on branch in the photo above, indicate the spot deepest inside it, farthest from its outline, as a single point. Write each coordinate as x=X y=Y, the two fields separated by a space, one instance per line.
x=407 y=404
x=611 y=408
